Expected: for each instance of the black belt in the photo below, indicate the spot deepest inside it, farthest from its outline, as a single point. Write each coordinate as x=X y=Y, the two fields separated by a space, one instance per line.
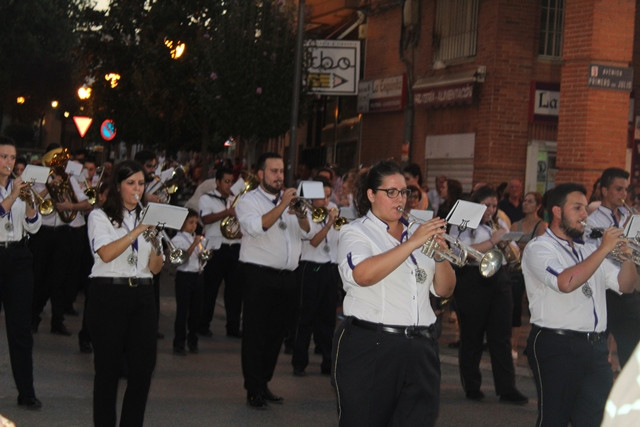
x=269 y=269
x=407 y=331
x=12 y=244
x=129 y=281
x=592 y=337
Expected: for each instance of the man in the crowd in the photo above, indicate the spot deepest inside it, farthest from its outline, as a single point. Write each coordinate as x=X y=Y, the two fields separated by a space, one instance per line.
x=271 y=245
x=512 y=204
x=566 y=281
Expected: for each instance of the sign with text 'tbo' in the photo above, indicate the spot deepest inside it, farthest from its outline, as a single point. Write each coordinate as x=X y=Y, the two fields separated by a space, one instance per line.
x=334 y=68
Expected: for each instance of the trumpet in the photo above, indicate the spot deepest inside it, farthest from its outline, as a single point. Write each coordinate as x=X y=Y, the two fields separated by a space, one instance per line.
x=92 y=192
x=489 y=262
x=617 y=253
x=229 y=225
x=45 y=206
x=339 y=222
x=156 y=235
x=300 y=206
x=592 y=231
x=205 y=254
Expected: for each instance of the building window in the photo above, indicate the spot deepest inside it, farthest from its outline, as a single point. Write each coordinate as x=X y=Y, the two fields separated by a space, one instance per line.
x=456 y=29
x=551 y=28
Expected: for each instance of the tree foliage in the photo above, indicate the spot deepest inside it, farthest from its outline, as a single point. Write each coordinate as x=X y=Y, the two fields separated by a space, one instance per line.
x=235 y=77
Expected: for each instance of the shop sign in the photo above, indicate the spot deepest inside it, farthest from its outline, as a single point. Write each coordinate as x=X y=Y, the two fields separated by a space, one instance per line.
x=334 y=67
x=443 y=96
x=545 y=102
x=382 y=95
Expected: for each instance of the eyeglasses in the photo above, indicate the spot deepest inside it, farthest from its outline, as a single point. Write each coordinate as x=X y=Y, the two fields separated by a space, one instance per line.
x=392 y=193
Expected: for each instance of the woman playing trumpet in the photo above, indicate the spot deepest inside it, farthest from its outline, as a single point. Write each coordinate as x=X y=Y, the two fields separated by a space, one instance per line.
x=122 y=315
x=484 y=306
x=387 y=282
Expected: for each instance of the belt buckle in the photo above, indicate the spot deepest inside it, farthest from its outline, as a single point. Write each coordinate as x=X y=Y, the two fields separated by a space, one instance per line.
x=133 y=282
x=409 y=332
x=593 y=337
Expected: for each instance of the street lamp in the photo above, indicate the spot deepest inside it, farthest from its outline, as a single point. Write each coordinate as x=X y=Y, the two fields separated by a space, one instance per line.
x=113 y=79
x=54 y=104
x=84 y=92
x=20 y=100
x=176 y=49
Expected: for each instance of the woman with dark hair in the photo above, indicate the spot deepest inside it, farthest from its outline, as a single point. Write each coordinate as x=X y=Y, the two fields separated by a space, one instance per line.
x=531 y=225
x=122 y=314
x=385 y=355
x=484 y=306
x=413 y=176
x=451 y=192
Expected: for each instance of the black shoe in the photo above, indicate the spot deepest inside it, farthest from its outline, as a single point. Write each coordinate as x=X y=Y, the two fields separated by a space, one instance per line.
x=179 y=351
x=205 y=333
x=476 y=395
x=193 y=348
x=256 y=401
x=85 y=347
x=272 y=398
x=514 y=397
x=60 y=330
x=31 y=403
x=299 y=372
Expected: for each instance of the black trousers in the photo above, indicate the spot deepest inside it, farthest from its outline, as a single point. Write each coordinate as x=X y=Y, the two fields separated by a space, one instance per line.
x=573 y=378
x=383 y=379
x=123 y=324
x=16 y=295
x=317 y=313
x=270 y=299
x=223 y=265
x=51 y=248
x=188 y=308
x=484 y=307
x=77 y=269
x=623 y=321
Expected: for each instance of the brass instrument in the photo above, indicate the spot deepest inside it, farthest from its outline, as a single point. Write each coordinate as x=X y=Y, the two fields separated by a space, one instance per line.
x=229 y=225
x=155 y=236
x=510 y=254
x=205 y=254
x=339 y=222
x=300 y=206
x=617 y=253
x=60 y=191
x=29 y=195
x=632 y=211
x=489 y=262
x=92 y=192
x=164 y=190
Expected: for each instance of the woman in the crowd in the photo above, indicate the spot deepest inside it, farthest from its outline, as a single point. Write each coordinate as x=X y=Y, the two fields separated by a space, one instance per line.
x=531 y=225
x=414 y=199
x=385 y=366
x=484 y=306
x=451 y=193
x=122 y=316
x=413 y=176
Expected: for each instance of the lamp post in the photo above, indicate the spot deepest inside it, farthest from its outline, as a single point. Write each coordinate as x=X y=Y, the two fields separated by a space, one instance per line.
x=295 y=102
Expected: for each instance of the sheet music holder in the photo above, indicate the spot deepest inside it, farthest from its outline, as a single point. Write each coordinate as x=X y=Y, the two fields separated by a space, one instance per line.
x=466 y=214
x=237 y=187
x=166 y=216
x=633 y=227
x=73 y=168
x=34 y=173
x=348 y=212
x=310 y=190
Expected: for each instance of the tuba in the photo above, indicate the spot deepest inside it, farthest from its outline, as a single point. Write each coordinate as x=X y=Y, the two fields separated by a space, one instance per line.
x=229 y=226
x=57 y=160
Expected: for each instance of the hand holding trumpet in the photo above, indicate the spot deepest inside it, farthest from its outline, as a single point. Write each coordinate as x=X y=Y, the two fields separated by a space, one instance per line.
x=434 y=228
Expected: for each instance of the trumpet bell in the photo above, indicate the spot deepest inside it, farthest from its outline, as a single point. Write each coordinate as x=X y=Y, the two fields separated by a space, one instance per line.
x=92 y=195
x=178 y=257
x=339 y=222
x=490 y=263
x=319 y=214
x=46 y=207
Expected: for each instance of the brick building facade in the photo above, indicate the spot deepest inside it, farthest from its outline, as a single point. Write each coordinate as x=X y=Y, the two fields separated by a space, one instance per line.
x=500 y=88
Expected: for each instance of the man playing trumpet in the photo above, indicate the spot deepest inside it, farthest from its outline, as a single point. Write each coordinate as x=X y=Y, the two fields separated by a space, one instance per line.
x=566 y=281
x=17 y=218
x=623 y=311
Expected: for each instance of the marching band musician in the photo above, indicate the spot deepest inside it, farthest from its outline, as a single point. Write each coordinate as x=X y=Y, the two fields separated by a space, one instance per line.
x=53 y=248
x=319 y=287
x=623 y=311
x=566 y=281
x=188 y=286
x=484 y=306
x=122 y=317
x=269 y=253
x=213 y=208
x=17 y=218
x=386 y=366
